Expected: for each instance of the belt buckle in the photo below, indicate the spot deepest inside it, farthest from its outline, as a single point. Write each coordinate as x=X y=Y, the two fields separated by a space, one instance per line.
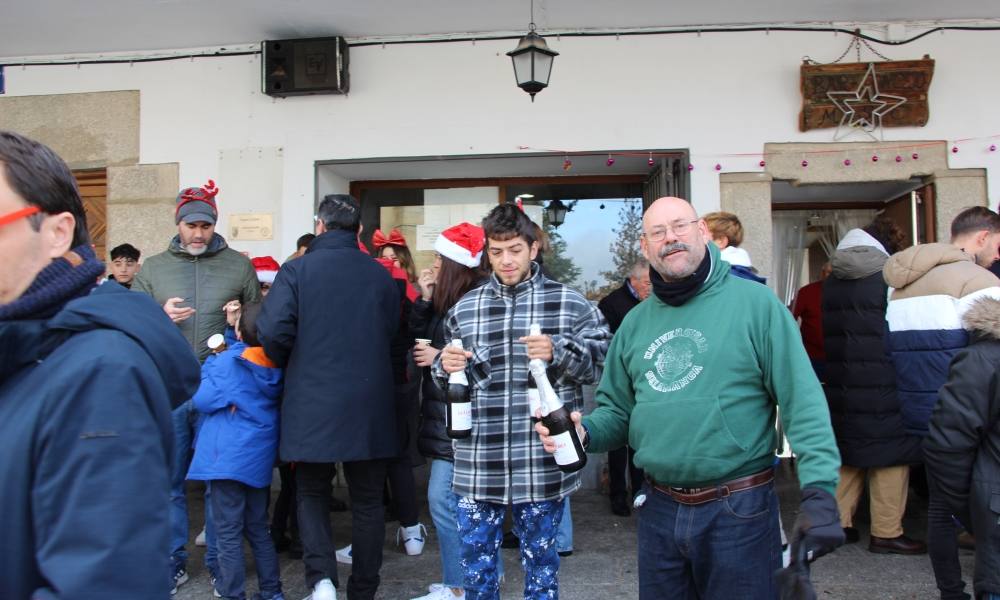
x=722 y=492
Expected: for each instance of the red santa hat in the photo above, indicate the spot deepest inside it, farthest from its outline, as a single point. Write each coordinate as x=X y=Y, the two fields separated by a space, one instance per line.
x=462 y=243
x=266 y=268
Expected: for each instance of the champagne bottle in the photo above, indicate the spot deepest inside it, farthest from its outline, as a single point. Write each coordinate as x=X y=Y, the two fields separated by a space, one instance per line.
x=459 y=424
x=569 y=452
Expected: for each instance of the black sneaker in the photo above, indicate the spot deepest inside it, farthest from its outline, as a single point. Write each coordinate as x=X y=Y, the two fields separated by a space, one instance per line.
x=619 y=505
x=510 y=541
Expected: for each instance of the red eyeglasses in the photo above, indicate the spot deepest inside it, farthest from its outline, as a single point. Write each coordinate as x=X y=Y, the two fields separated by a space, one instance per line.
x=9 y=218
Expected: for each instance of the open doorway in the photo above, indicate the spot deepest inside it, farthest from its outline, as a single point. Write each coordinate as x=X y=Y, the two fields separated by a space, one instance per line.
x=809 y=220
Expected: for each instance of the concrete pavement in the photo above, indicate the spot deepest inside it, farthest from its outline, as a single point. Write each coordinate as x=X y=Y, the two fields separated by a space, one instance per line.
x=603 y=564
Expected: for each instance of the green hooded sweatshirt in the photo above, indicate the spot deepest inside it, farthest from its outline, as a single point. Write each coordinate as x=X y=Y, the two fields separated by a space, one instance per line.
x=694 y=388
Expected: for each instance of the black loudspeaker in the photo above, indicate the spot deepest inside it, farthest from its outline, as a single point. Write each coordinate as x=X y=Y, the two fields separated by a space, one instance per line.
x=306 y=66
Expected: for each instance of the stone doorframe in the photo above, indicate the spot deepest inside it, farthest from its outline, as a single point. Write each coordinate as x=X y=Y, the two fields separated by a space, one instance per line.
x=749 y=194
x=101 y=130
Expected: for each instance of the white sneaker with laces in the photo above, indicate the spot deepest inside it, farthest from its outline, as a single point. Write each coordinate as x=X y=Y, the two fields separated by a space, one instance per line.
x=324 y=590
x=413 y=538
x=344 y=556
x=441 y=593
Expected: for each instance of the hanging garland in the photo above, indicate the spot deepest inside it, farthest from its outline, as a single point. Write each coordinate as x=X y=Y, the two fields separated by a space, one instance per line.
x=899 y=152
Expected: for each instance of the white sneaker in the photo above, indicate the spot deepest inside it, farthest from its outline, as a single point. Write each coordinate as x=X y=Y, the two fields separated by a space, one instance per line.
x=200 y=540
x=324 y=590
x=413 y=538
x=441 y=593
x=344 y=555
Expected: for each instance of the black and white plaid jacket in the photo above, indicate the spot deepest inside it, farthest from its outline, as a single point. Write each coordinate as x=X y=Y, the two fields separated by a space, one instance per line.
x=503 y=461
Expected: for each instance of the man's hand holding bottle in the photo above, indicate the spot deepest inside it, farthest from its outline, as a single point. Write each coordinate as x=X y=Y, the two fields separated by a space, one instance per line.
x=543 y=432
x=454 y=359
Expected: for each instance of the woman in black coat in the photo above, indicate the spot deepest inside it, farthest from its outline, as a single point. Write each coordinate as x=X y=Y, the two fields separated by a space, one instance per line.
x=441 y=287
x=861 y=389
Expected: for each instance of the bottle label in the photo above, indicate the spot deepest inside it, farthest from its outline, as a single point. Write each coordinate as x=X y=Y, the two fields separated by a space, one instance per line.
x=461 y=416
x=565 y=453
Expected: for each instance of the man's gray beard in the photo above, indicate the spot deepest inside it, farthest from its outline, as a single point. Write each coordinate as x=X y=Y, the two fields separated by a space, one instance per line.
x=194 y=251
x=667 y=276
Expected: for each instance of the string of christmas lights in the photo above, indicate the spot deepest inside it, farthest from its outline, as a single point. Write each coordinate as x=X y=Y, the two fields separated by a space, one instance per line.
x=895 y=152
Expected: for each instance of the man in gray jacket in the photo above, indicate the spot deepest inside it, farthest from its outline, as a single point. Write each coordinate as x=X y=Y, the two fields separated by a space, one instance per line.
x=193 y=279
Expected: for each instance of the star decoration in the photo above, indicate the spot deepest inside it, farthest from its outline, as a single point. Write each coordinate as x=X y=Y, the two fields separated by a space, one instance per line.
x=866 y=94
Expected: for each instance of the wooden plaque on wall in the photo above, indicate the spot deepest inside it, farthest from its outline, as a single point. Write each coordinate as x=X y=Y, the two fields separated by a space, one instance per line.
x=910 y=79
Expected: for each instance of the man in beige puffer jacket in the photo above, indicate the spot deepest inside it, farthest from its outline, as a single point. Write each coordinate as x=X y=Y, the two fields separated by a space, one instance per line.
x=935 y=284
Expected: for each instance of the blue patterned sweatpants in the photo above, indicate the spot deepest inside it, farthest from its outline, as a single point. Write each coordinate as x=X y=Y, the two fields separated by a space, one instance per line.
x=480 y=525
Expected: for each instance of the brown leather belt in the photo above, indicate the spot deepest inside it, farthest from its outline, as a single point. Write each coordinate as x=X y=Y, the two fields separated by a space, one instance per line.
x=701 y=495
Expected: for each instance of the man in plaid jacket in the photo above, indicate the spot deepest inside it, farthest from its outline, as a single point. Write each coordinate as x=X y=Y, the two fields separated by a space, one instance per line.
x=503 y=462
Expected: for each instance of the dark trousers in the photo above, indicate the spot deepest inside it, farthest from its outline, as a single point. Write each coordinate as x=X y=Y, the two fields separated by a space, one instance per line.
x=400 y=469
x=364 y=483
x=240 y=511
x=942 y=546
x=284 y=517
x=621 y=464
x=404 y=491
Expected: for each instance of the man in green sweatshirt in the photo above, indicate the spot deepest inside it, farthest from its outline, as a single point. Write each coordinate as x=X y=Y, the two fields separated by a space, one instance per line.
x=692 y=381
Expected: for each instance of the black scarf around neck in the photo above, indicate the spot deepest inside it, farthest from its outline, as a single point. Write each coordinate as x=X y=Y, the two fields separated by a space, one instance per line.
x=676 y=293
x=71 y=276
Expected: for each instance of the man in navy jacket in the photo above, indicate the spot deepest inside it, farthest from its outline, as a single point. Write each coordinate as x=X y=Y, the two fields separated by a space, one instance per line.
x=328 y=320
x=88 y=376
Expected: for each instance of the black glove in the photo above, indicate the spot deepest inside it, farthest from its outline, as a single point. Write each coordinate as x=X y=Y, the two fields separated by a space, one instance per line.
x=819 y=523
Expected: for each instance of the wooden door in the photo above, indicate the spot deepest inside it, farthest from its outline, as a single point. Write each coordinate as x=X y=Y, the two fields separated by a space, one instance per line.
x=93 y=186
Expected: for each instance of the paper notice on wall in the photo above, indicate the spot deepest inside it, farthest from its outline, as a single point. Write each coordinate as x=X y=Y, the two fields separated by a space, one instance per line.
x=444 y=208
x=426 y=235
x=251 y=227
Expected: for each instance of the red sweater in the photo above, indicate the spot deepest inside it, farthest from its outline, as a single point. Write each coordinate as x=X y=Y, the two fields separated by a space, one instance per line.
x=808 y=306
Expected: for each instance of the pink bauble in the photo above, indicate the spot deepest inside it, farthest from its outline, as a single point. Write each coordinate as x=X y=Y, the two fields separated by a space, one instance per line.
x=954 y=149
x=874 y=157
x=847 y=162
x=915 y=156
x=690 y=167
x=805 y=163
x=718 y=167
x=611 y=161
x=899 y=158
x=762 y=164
x=651 y=162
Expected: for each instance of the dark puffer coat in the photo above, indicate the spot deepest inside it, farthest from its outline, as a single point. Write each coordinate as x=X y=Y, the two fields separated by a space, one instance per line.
x=860 y=379
x=963 y=448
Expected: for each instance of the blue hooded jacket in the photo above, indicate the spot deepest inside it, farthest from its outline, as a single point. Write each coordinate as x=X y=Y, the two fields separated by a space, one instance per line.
x=86 y=441
x=239 y=392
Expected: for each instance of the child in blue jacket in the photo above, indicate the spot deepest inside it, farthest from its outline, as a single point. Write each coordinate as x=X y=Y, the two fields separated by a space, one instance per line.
x=235 y=452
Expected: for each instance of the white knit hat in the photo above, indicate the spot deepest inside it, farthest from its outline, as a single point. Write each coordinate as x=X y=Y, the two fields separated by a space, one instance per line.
x=462 y=243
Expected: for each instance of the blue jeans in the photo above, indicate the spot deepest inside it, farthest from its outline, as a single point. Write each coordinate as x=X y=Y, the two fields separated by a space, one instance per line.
x=564 y=535
x=241 y=511
x=728 y=548
x=443 y=504
x=481 y=526
x=186 y=422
